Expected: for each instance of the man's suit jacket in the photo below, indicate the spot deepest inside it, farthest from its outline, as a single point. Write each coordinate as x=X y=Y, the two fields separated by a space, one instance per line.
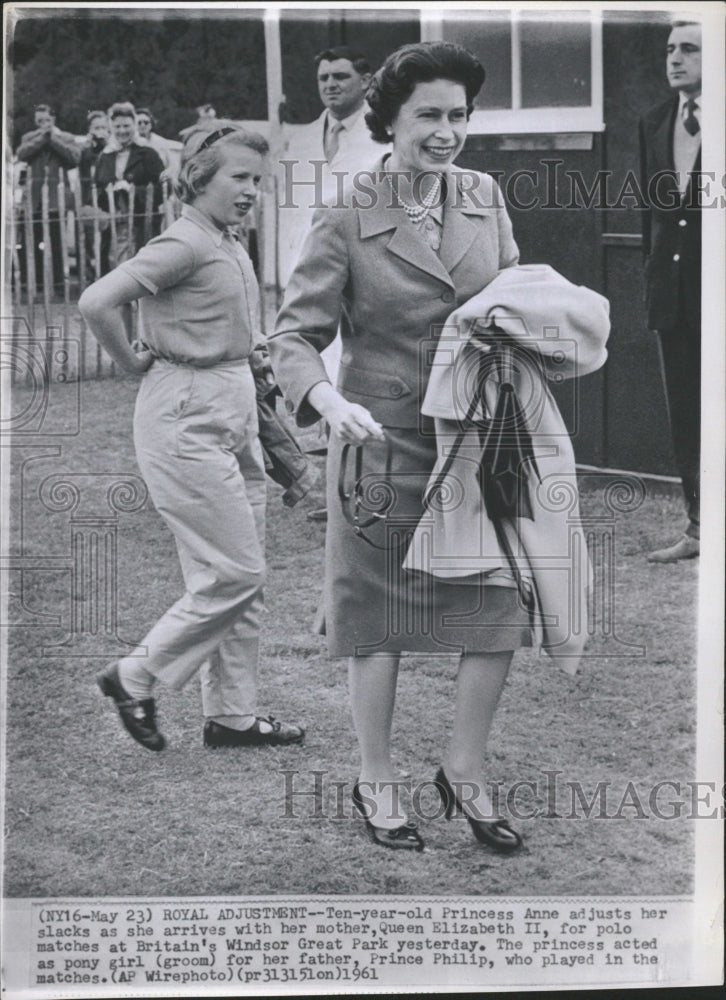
x=54 y=150
x=671 y=226
x=143 y=167
x=365 y=266
x=297 y=191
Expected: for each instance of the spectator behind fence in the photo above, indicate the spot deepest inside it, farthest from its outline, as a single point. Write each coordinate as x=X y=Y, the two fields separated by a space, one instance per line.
x=145 y=126
x=206 y=116
x=99 y=133
x=197 y=443
x=125 y=162
x=47 y=150
x=670 y=146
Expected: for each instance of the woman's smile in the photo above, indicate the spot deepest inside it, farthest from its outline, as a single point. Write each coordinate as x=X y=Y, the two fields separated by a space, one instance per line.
x=444 y=152
x=430 y=127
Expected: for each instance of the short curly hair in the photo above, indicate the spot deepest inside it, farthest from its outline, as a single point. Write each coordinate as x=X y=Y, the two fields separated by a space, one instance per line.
x=198 y=166
x=122 y=109
x=149 y=115
x=419 y=62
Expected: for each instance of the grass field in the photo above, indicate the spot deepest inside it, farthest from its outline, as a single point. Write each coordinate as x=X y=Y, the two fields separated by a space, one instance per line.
x=89 y=813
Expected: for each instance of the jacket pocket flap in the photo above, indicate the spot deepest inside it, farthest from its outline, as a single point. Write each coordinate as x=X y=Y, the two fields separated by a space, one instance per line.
x=384 y=385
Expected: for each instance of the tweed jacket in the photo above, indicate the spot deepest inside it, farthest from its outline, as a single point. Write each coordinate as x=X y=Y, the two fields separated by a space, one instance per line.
x=365 y=266
x=671 y=223
x=52 y=151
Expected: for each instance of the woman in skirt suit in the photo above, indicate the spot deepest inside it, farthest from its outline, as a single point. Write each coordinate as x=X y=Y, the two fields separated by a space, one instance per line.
x=402 y=246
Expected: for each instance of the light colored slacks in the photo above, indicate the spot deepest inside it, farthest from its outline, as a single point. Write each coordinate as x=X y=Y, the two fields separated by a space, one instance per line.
x=195 y=433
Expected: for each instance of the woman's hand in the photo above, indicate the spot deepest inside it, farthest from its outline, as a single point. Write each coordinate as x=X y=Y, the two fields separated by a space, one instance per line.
x=351 y=422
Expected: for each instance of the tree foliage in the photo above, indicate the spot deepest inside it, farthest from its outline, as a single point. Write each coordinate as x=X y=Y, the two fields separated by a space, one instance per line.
x=79 y=60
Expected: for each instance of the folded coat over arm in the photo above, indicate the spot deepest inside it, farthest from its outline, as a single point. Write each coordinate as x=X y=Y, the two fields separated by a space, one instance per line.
x=556 y=330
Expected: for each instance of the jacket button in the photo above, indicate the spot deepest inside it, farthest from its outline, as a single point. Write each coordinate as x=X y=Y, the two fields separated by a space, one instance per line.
x=289 y=405
x=395 y=389
x=447 y=296
x=676 y=256
x=682 y=222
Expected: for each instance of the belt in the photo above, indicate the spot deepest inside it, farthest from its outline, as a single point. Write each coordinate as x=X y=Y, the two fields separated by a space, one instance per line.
x=158 y=356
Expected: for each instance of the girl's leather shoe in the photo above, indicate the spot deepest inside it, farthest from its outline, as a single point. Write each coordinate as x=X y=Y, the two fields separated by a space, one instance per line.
x=273 y=734
x=138 y=717
x=497 y=834
x=403 y=838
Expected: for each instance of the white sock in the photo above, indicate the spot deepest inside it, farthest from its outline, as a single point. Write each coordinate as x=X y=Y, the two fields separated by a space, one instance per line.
x=238 y=722
x=135 y=679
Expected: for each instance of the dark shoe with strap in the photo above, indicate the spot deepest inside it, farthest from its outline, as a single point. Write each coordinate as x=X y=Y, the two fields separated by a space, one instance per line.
x=318 y=515
x=264 y=732
x=138 y=717
x=497 y=834
x=402 y=838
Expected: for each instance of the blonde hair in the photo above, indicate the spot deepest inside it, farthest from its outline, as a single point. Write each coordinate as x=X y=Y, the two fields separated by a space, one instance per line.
x=199 y=165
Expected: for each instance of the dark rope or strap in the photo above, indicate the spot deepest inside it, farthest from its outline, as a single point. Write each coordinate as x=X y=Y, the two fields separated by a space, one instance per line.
x=500 y=360
x=351 y=502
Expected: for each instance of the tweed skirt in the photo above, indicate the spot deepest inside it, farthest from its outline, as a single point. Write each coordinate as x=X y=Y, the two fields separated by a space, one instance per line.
x=370 y=603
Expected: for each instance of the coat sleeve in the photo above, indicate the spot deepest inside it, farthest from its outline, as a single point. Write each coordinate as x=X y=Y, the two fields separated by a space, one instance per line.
x=308 y=320
x=31 y=144
x=153 y=166
x=85 y=166
x=66 y=148
x=105 y=174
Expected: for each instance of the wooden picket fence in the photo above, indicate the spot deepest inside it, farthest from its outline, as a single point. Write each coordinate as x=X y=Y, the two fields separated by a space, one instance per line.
x=44 y=310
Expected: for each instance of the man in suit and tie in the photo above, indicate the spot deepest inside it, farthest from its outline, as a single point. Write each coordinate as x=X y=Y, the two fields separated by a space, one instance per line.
x=670 y=146
x=319 y=156
x=337 y=142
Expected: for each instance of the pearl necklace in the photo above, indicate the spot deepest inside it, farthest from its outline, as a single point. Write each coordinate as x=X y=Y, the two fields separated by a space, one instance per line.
x=417 y=213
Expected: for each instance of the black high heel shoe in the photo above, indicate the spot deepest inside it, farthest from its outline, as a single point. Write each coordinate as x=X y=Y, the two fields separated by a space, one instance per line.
x=403 y=838
x=497 y=833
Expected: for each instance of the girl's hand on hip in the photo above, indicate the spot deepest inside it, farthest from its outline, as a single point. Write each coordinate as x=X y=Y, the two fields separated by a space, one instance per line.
x=142 y=362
